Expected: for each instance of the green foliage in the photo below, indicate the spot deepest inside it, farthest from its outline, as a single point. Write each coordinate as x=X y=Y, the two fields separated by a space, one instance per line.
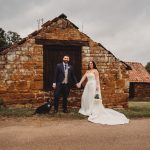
x=12 y=37
x=137 y=110
x=147 y=67
x=8 y=39
x=16 y=112
x=28 y=112
x=3 y=42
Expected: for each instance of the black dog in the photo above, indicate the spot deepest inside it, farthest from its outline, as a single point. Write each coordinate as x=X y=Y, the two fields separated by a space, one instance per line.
x=44 y=109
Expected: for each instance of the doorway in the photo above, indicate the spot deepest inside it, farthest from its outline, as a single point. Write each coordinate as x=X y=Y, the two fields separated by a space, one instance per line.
x=131 y=90
x=52 y=55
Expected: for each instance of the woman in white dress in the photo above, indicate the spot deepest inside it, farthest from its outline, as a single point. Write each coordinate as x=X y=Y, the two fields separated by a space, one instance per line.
x=94 y=109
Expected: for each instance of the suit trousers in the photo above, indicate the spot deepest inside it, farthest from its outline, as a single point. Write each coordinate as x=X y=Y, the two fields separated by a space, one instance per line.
x=61 y=90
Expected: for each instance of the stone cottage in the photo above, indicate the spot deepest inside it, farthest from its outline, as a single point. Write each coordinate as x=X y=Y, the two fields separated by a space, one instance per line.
x=27 y=68
x=139 y=82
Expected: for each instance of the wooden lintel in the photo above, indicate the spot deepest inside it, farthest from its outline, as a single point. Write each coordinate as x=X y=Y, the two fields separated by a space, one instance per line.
x=61 y=42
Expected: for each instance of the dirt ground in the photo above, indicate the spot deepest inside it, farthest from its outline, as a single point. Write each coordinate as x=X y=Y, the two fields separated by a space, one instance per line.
x=37 y=133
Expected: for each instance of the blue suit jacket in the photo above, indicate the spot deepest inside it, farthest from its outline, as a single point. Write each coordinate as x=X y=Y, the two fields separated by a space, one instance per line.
x=60 y=75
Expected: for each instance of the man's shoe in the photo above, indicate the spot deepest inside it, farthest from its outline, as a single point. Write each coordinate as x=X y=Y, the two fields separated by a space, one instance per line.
x=55 y=111
x=65 y=111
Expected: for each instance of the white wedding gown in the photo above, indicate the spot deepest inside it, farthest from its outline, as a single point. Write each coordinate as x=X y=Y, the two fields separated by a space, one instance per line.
x=95 y=110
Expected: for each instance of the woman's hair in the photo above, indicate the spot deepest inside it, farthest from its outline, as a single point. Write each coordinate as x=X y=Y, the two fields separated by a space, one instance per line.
x=94 y=65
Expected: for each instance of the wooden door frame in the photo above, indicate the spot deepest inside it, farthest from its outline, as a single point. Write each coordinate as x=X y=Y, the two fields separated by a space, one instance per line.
x=61 y=42
x=131 y=90
x=47 y=42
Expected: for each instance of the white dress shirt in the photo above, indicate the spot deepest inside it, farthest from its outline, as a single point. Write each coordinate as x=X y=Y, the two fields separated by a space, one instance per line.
x=66 y=73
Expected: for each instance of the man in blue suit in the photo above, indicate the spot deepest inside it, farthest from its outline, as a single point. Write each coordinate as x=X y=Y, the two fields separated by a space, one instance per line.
x=63 y=80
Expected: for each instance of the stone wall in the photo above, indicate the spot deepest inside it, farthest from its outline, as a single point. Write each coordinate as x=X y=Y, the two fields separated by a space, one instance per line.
x=21 y=73
x=21 y=69
x=113 y=75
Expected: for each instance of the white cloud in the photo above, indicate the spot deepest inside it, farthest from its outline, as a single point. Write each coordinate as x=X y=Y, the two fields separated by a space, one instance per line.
x=121 y=26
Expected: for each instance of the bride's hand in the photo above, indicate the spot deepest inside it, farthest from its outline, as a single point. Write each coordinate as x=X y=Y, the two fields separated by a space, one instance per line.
x=78 y=85
x=97 y=88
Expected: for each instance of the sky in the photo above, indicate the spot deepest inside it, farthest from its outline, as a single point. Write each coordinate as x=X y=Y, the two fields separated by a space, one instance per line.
x=121 y=26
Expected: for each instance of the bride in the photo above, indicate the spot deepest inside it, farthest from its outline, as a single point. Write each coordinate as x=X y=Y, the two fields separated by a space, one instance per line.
x=94 y=108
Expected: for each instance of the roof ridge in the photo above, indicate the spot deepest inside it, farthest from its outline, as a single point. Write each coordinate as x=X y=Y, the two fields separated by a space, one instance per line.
x=34 y=33
x=138 y=72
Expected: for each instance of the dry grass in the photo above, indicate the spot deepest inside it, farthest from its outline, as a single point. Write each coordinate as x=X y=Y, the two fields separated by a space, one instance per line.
x=135 y=110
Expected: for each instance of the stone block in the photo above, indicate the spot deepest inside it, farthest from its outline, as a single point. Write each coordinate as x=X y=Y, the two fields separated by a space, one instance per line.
x=37 y=85
x=38 y=77
x=2 y=62
x=24 y=58
x=3 y=89
x=120 y=83
x=22 y=85
x=11 y=57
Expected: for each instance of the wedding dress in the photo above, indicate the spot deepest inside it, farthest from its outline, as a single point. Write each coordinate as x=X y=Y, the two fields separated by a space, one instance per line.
x=94 y=109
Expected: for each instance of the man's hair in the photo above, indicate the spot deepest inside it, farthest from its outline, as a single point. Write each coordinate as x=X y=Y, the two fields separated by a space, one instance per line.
x=66 y=55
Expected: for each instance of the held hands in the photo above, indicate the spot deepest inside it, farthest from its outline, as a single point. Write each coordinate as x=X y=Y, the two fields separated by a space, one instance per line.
x=78 y=85
x=54 y=85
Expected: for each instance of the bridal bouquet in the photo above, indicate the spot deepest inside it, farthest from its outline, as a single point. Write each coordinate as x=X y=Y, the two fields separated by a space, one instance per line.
x=97 y=97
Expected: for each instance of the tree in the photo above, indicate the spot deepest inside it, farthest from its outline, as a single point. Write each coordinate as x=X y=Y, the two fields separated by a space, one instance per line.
x=12 y=37
x=147 y=67
x=3 y=42
x=8 y=39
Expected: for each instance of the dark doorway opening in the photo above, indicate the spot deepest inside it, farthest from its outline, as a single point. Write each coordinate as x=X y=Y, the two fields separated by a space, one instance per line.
x=52 y=55
x=131 y=90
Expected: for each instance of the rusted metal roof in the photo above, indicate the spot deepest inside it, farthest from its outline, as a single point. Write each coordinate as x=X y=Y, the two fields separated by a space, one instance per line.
x=138 y=73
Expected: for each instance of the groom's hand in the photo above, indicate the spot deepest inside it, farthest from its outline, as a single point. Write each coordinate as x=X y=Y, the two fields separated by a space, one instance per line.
x=54 y=85
x=78 y=85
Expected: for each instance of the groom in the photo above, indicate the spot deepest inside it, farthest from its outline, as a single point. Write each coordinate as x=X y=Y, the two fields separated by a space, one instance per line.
x=63 y=80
